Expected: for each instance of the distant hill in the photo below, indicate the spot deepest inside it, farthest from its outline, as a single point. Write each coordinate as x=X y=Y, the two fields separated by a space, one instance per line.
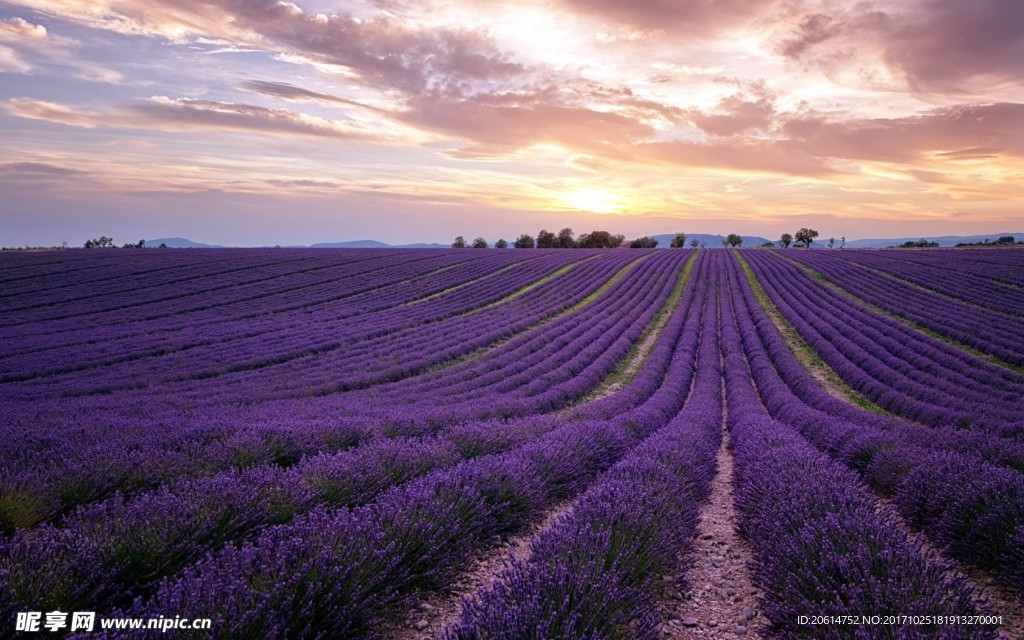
x=180 y=243
x=944 y=241
x=424 y=245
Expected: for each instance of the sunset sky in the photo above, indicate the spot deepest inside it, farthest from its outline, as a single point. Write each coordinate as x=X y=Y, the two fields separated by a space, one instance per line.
x=259 y=122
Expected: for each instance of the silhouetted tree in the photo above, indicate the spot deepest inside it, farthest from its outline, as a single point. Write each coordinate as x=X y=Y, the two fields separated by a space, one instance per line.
x=460 y=243
x=599 y=240
x=918 y=244
x=565 y=240
x=806 y=236
x=479 y=243
x=546 y=240
x=694 y=243
x=735 y=240
x=831 y=242
x=785 y=240
x=842 y=242
x=679 y=241
x=524 y=241
x=501 y=244
x=645 y=242
x=1005 y=240
x=99 y=243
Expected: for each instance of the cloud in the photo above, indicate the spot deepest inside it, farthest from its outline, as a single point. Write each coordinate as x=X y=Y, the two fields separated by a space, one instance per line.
x=953 y=42
x=951 y=133
x=172 y=114
x=382 y=50
x=51 y=112
x=304 y=183
x=18 y=28
x=973 y=153
x=11 y=62
x=587 y=162
x=188 y=113
x=734 y=115
x=36 y=169
x=17 y=36
x=514 y=120
x=761 y=156
x=290 y=92
x=700 y=18
x=927 y=45
x=29 y=177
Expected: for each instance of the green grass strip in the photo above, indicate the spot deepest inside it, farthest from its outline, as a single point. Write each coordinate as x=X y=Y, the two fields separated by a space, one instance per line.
x=533 y=285
x=462 y=284
x=621 y=273
x=935 y=292
x=804 y=353
x=633 y=362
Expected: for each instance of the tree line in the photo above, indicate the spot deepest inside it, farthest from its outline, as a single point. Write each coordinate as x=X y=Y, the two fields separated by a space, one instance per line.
x=564 y=239
x=104 y=242
x=604 y=240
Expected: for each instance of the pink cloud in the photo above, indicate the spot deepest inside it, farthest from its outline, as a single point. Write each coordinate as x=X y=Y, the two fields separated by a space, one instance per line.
x=933 y=45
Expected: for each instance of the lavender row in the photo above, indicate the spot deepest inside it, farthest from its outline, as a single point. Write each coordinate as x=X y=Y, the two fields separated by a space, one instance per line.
x=383 y=354
x=42 y=492
x=413 y=538
x=534 y=363
x=990 y=332
x=147 y=300
x=112 y=345
x=352 y=567
x=124 y=546
x=929 y=356
x=964 y=490
x=905 y=372
x=31 y=432
x=70 y=270
x=782 y=381
x=230 y=336
x=596 y=572
x=111 y=278
x=397 y=282
x=806 y=516
x=374 y=334
x=992 y=284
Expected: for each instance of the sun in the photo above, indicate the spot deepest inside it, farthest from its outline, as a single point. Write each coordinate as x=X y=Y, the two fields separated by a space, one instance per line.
x=593 y=200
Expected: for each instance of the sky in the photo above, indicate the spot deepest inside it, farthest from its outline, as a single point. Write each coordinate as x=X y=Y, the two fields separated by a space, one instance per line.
x=252 y=122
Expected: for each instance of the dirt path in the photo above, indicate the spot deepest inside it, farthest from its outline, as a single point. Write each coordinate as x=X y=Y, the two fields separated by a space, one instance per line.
x=430 y=617
x=722 y=600
x=635 y=363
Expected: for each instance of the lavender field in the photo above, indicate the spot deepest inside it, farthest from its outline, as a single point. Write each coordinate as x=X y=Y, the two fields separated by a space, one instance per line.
x=515 y=444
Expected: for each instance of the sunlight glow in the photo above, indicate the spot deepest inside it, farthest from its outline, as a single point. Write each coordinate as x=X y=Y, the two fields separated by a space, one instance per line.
x=593 y=200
